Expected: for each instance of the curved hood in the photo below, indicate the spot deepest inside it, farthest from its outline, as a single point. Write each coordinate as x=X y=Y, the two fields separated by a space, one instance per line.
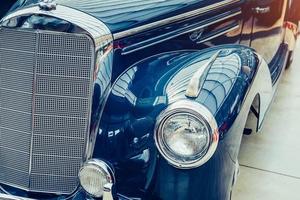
x=120 y=15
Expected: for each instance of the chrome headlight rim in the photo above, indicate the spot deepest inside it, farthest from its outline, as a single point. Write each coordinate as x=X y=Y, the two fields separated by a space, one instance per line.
x=100 y=165
x=195 y=109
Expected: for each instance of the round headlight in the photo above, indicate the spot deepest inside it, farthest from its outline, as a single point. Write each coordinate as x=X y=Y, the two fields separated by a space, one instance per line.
x=186 y=134
x=94 y=175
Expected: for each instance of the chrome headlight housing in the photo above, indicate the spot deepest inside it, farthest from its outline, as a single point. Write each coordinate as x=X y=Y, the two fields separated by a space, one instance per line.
x=186 y=134
x=94 y=175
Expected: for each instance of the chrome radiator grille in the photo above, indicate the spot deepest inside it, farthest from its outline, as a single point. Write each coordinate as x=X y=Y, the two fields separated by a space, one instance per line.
x=45 y=81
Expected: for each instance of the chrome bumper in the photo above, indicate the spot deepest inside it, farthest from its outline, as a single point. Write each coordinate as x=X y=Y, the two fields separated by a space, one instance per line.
x=107 y=195
x=12 y=197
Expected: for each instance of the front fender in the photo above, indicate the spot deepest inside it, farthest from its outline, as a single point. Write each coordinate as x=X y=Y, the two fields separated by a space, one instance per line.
x=125 y=136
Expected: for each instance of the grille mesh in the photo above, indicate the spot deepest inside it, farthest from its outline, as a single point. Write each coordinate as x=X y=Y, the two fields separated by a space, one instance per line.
x=44 y=105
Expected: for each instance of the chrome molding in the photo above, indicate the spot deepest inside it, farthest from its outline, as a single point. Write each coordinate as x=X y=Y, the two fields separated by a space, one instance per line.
x=196 y=82
x=219 y=34
x=168 y=36
x=196 y=109
x=176 y=18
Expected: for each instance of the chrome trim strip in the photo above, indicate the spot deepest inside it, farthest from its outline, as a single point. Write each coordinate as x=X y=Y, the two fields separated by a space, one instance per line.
x=33 y=105
x=185 y=30
x=219 y=34
x=196 y=82
x=174 y=19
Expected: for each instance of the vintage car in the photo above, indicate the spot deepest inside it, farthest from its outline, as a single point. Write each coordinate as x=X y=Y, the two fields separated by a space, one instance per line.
x=134 y=99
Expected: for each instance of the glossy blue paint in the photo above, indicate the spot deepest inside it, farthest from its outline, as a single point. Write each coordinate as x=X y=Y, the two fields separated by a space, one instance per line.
x=125 y=137
x=79 y=195
x=5 y=6
x=123 y=15
x=148 y=80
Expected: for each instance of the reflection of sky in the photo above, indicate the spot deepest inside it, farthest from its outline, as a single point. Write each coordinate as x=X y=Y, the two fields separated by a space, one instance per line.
x=120 y=89
x=119 y=15
x=104 y=67
x=218 y=84
x=177 y=85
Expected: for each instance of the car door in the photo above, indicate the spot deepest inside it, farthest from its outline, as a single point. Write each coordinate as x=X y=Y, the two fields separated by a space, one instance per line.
x=268 y=32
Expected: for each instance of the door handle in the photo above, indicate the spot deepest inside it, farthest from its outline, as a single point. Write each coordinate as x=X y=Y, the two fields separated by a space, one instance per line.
x=260 y=10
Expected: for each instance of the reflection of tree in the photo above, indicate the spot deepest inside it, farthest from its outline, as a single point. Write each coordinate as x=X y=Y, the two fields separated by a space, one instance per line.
x=128 y=9
x=219 y=81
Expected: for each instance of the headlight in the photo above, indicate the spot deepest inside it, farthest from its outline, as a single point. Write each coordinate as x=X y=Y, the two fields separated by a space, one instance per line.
x=186 y=134
x=94 y=175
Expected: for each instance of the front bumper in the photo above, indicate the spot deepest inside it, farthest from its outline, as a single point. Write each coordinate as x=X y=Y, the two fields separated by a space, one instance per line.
x=107 y=195
x=11 y=197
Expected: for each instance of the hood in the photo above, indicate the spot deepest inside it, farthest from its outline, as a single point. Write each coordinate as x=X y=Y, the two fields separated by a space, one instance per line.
x=120 y=15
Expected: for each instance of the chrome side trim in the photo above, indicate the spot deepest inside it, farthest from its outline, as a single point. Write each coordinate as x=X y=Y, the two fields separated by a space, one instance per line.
x=219 y=34
x=168 y=36
x=196 y=82
x=176 y=18
x=33 y=106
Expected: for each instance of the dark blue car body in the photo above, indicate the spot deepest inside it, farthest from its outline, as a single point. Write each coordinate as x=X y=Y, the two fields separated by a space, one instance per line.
x=154 y=44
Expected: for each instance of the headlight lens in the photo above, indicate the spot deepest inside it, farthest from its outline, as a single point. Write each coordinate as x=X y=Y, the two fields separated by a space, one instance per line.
x=94 y=175
x=186 y=134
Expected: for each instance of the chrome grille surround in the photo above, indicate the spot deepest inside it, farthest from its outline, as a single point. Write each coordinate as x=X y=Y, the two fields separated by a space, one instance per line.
x=45 y=136
x=44 y=108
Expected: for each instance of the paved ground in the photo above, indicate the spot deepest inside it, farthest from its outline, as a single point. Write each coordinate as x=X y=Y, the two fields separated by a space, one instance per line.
x=270 y=160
